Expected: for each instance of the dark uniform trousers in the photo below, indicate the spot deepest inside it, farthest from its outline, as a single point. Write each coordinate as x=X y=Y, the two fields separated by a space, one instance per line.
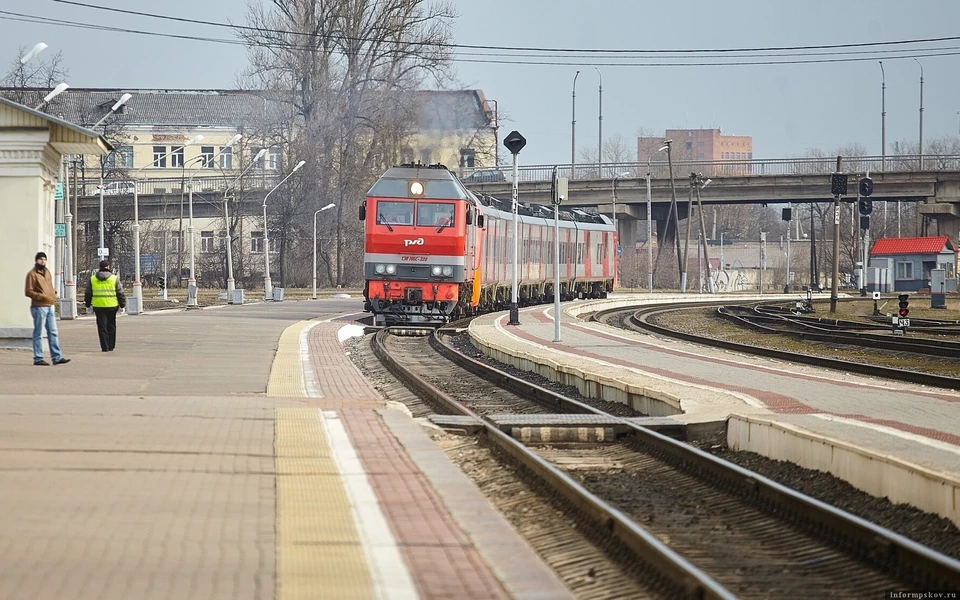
x=107 y=327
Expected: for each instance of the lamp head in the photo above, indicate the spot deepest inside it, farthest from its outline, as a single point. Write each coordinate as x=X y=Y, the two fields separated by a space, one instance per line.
x=299 y=164
x=259 y=154
x=33 y=52
x=662 y=148
x=61 y=87
x=331 y=205
x=233 y=140
x=706 y=183
x=194 y=140
x=123 y=100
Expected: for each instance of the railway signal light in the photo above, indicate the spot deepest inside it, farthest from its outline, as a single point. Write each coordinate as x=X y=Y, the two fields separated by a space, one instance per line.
x=838 y=184
x=514 y=142
x=866 y=186
x=865 y=205
x=904 y=305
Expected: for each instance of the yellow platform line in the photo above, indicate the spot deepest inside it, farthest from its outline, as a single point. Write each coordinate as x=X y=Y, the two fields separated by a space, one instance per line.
x=286 y=372
x=319 y=551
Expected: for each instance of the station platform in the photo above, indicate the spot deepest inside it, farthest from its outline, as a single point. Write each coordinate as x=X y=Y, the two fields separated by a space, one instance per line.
x=235 y=452
x=890 y=439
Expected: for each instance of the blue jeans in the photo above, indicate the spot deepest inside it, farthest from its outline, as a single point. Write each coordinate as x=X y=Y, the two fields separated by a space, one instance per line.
x=44 y=316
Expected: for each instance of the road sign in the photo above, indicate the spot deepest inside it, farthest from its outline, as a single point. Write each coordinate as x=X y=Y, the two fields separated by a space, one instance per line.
x=103 y=252
x=60 y=229
x=58 y=195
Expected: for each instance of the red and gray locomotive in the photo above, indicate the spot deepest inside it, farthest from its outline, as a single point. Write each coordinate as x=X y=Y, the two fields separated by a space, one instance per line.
x=434 y=251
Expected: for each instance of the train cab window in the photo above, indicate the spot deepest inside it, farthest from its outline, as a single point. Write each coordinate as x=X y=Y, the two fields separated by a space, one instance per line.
x=394 y=213
x=435 y=214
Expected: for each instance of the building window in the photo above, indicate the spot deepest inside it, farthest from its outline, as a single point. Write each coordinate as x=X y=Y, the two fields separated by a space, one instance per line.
x=121 y=158
x=176 y=158
x=273 y=159
x=467 y=158
x=159 y=156
x=206 y=241
x=175 y=242
x=226 y=157
x=256 y=242
x=699 y=144
x=253 y=155
x=206 y=155
x=904 y=270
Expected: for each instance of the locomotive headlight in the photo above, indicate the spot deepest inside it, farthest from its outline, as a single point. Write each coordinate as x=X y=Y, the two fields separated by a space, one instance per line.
x=416 y=188
x=380 y=269
x=435 y=271
x=391 y=269
x=448 y=271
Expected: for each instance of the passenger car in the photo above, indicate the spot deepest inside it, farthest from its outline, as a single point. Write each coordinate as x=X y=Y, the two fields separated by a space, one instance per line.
x=484 y=176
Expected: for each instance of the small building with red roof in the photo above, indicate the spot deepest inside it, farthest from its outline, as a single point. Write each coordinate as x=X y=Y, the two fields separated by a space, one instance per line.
x=907 y=262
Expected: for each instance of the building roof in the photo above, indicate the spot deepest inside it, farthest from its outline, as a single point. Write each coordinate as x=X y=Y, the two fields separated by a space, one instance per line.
x=211 y=108
x=65 y=137
x=454 y=110
x=913 y=245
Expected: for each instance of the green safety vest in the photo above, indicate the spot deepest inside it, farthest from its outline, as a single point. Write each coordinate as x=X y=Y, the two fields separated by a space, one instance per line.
x=104 y=292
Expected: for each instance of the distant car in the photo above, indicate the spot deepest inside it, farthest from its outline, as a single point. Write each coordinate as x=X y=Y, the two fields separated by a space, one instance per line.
x=118 y=188
x=485 y=176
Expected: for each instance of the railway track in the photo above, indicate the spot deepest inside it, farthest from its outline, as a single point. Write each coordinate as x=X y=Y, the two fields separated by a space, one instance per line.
x=679 y=521
x=826 y=331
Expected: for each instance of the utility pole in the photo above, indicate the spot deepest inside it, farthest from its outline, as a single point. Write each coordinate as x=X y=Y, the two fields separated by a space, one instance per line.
x=673 y=206
x=686 y=241
x=703 y=232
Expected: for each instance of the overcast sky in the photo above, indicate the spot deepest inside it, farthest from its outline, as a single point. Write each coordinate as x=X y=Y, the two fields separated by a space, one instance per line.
x=787 y=109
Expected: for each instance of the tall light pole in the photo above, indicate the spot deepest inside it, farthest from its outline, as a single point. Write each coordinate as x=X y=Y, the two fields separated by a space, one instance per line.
x=703 y=230
x=674 y=212
x=226 y=220
x=192 y=279
x=650 y=224
x=573 y=130
x=37 y=49
x=515 y=142
x=600 y=126
x=137 y=285
x=921 y=113
x=883 y=138
x=123 y=100
x=267 y=286
x=331 y=205
x=496 y=138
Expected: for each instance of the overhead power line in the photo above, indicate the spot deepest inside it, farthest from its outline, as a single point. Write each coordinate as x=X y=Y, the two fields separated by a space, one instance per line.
x=535 y=56
x=529 y=49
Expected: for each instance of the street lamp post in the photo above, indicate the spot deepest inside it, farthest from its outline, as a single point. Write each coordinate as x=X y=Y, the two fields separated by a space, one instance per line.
x=37 y=49
x=673 y=204
x=600 y=126
x=650 y=224
x=228 y=239
x=137 y=284
x=573 y=130
x=192 y=279
x=123 y=100
x=515 y=142
x=921 y=113
x=331 y=205
x=496 y=139
x=267 y=286
x=61 y=88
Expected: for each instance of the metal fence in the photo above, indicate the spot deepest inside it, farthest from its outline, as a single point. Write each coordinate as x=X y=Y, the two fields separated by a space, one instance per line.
x=739 y=168
x=176 y=185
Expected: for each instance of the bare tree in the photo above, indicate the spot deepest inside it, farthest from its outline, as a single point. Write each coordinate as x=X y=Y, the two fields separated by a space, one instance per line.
x=30 y=82
x=347 y=69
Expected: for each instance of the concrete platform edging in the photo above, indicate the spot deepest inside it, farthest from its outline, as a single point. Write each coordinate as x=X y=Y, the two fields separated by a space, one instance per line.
x=590 y=383
x=877 y=474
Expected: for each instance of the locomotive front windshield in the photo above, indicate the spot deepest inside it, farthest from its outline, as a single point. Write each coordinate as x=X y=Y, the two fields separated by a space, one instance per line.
x=394 y=212
x=434 y=213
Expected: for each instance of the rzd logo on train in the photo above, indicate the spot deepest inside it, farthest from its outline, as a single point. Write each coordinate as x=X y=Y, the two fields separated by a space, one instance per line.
x=416 y=242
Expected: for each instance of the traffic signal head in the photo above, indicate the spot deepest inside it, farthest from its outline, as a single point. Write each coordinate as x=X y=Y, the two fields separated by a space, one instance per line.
x=866 y=186
x=838 y=184
x=904 y=304
x=865 y=205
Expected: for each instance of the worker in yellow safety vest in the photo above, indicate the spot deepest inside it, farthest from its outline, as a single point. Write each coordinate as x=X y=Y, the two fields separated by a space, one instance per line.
x=105 y=295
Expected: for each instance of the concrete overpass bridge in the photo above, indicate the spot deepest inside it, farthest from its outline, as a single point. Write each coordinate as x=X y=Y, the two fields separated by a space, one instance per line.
x=936 y=188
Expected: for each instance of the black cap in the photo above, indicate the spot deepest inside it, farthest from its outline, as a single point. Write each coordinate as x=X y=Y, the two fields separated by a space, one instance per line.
x=39 y=256
x=104 y=264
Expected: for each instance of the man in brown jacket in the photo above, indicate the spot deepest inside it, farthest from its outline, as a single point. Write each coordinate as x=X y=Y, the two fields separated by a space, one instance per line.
x=39 y=288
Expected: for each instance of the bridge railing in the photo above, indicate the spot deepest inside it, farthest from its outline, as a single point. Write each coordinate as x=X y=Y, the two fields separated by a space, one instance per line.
x=175 y=185
x=740 y=168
